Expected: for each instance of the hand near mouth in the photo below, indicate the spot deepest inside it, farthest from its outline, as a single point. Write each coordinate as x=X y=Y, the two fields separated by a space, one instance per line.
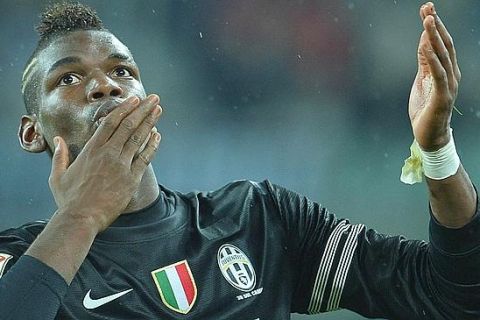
x=100 y=183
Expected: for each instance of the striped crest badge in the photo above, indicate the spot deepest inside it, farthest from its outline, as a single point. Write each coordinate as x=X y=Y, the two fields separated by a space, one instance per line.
x=176 y=286
x=236 y=267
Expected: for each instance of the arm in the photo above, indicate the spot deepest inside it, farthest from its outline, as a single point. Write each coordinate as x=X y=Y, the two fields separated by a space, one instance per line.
x=341 y=265
x=90 y=194
x=432 y=99
x=336 y=265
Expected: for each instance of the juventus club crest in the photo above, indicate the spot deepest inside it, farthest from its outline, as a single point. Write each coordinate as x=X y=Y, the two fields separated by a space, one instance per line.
x=176 y=286
x=236 y=267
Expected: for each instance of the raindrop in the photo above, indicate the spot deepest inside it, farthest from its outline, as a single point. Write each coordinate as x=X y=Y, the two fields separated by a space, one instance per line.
x=351 y=6
x=370 y=25
x=335 y=19
x=153 y=11
x=477 y=114
x=176 y=123
x=201 y=35
x=299 y=57
x=385 y=155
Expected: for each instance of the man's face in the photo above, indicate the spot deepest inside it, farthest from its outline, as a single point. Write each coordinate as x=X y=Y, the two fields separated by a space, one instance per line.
x=83 y=75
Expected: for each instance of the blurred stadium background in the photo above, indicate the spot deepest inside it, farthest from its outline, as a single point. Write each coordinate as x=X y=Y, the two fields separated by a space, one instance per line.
x=309 y=94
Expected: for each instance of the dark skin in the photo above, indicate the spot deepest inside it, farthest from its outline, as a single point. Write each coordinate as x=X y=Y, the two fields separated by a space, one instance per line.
x=435 y=88
x=112 y=172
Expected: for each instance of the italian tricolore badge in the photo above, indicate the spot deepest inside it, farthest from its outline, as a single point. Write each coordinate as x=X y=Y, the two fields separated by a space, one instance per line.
x=176 y=286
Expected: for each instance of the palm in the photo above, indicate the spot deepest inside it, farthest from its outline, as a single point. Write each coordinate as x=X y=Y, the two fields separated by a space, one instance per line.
x=423 y=107
x=435 y=87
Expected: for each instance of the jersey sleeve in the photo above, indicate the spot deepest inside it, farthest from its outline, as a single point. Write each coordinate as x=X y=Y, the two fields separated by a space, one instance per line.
x=29 y=289
x=342 y=265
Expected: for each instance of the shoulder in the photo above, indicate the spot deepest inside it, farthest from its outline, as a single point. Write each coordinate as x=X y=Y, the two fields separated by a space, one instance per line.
x=237 y=190
x=225 y=210
x=26 y=233
x=15 y=241
x=233 y=189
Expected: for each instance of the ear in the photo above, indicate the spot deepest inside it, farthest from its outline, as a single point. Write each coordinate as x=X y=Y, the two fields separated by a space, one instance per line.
x=30 y=134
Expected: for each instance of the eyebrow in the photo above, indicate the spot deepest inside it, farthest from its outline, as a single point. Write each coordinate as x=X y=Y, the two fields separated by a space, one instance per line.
x=119 y=56
x=73 y=59
x=62 y=62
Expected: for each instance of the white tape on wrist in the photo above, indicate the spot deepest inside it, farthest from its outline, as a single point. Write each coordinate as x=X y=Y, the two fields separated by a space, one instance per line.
x=436 y=165
x=442 y=163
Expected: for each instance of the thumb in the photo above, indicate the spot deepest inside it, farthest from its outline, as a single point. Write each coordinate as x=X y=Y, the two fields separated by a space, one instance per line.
x=61 y=158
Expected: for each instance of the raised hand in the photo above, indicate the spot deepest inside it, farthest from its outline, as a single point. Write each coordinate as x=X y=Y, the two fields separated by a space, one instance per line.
x=100 y=183
x=435 y=87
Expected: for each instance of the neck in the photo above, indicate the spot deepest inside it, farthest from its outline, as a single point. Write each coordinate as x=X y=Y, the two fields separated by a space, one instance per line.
x=146 y=192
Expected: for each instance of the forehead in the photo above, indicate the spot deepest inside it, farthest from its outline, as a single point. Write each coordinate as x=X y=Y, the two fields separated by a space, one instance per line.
x=91 y=46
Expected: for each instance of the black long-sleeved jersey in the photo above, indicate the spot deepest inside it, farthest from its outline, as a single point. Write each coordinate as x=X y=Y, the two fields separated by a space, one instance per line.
x=246 y=251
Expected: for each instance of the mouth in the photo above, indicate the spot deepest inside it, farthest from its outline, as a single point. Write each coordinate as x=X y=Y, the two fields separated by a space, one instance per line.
x=104 y=109
x=108 y=106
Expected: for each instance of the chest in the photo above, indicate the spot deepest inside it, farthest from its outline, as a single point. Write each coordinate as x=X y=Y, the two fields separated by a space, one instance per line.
x=184 y=276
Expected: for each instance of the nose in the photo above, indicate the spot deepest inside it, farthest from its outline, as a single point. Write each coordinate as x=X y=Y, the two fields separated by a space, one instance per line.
x=102 y=86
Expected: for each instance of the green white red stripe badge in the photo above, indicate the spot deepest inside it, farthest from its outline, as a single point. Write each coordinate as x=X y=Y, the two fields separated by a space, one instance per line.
x=176 y=286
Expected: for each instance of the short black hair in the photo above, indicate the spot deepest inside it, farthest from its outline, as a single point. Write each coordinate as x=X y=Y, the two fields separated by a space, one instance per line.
x=57 y=20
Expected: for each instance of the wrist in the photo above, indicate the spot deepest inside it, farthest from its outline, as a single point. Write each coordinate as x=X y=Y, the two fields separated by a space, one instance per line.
x=64 y=243
x=442 y=163
x=74 y=219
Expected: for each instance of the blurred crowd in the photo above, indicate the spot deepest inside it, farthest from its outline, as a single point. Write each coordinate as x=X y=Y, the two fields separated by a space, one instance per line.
x=310 y=94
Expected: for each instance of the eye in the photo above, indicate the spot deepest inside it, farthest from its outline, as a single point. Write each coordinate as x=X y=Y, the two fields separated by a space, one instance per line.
x=122 y=72
x=68 y=80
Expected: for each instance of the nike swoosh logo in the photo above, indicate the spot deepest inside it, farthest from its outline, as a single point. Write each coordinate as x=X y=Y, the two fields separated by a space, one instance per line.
x=90 y=303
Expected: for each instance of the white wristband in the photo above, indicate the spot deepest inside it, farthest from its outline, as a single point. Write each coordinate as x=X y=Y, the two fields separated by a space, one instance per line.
x=436 y=165
x=442 y=163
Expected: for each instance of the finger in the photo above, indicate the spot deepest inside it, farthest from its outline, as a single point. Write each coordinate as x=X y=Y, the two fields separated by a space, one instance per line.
x=438 y=46
x=437 y=71
x=448 y=42
x=131 y=122
x=137 y=139
x=423 y=67
x=426 y=9
x=60 y=160
x=145 y=157
x=111 y=122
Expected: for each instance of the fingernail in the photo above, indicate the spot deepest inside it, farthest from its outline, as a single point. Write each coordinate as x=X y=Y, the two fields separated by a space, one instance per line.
x=133 y=100
x=55 y=142
x=153 y=99
x=156 y=110
x=157 y=136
